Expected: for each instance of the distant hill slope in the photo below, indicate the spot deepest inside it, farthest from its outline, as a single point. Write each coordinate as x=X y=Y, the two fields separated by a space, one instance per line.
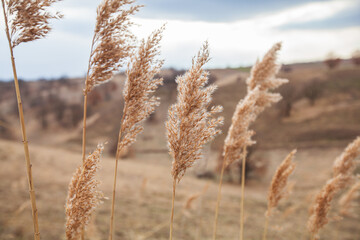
x=321 y=107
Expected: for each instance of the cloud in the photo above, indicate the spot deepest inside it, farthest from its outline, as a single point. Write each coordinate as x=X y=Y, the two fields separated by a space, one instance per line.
x=240 y=42
x=348 y=17
x=214 y=10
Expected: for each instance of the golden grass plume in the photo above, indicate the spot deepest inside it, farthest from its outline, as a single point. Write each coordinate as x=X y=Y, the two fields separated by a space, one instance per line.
x=263 y=72
x=112 y=40
x=83 y=194
x=29 y=20
x=190 y=124
x=139 y=102
x=319 y=212
x=345 y=163
x=139 y=86
x=261 y=80
x=346 y=200
x=343 y=169
x=278 y=189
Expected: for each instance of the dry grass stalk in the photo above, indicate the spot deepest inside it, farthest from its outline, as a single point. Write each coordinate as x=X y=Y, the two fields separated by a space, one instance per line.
x=319 y=213
x=28 y=21
x=112 y=41
x=346 y=200
x=345 y=163
x=262 y=79
x=343 y=169
x=190 y=124
x=139 y=102
x=278 y=187
x=83 y=195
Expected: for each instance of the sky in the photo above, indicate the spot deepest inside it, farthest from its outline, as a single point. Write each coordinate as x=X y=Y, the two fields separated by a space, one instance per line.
x=238 y=32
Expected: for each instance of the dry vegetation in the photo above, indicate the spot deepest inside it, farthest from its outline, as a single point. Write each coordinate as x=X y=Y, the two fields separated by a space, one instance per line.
x=328 y=126
x=319 y=115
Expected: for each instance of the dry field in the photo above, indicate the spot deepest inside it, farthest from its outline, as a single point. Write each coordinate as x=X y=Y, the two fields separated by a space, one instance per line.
x=65 y=118
x=319 y=132
x=144 y=198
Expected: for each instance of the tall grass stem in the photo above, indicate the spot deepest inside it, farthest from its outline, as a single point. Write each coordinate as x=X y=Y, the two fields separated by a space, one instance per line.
x=172 y=209
x=242 y=216
x=266 y=227
x=219 y=197
x=23 y=133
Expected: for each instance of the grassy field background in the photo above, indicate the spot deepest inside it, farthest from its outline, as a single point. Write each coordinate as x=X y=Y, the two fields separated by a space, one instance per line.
x=319 y=127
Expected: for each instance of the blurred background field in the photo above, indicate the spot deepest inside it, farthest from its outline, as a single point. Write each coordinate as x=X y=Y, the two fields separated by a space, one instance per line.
x=319 y=115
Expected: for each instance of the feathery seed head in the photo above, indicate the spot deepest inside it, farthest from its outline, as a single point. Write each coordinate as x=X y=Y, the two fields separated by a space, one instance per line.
x=348 y=197
x=345 y=163
x=83 y=194
x=319 y=212
x=29 y=19
x=261 y=80
x=190 y=124
x=277 y=189
x=139 y=86
x=112 y=41
x=263 y=72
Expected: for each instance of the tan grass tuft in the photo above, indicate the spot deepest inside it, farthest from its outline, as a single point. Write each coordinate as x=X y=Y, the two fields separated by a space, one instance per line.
x=139 y=102
x=190 y=124
x=26 y=20
x=346 y=200
x=139 y=86
x=343 y=169
x=261 y=80
x=83 y=194
x=345 y=163
x=29 y=20
x=319 y=212
x=278 y=189
x=112 y=41
x=264 y=71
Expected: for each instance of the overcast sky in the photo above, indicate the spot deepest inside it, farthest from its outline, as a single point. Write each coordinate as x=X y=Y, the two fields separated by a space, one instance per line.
x=238 y=32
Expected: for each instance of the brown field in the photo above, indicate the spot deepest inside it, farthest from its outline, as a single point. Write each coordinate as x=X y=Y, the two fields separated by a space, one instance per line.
x=319 y=131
